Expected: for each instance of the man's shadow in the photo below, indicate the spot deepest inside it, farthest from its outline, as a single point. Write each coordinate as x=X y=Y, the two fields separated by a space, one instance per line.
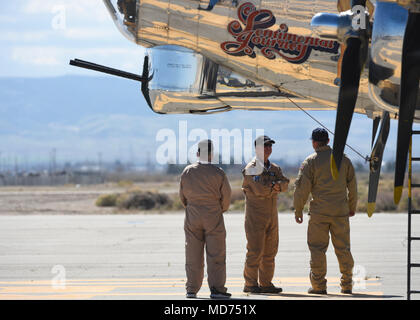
x=330 y=295
x=258 y=296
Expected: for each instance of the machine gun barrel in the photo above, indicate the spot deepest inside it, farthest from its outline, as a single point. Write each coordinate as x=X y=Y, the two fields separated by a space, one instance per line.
x=104 y=69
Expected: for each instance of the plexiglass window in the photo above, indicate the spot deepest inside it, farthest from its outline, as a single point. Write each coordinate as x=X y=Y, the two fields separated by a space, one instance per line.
x=123 y=13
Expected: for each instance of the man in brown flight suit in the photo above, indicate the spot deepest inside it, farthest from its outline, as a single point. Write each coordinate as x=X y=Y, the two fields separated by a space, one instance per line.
x=205 y=193
x=262 y=182
x=332 y=203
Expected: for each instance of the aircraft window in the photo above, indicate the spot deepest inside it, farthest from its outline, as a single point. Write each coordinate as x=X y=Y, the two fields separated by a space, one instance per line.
x=123 y=12
x=128 y=9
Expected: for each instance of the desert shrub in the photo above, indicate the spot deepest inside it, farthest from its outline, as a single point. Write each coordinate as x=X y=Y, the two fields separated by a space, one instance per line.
x=362 y=206
x=362 y=197
x=176 y=203
x=285 y=201
x=161 y=199
x=385 y=202
x=143 y=200
x=122 y=200
x=107 y=200
x=238 y=205
x=237 y=194
x=415 y=198
x=136 y=200
x=415 y=201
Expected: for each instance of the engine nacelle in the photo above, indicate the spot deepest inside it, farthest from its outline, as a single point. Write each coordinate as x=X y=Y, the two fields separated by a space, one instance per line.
x=385 y=56
x=183 y=81
x=187 y=82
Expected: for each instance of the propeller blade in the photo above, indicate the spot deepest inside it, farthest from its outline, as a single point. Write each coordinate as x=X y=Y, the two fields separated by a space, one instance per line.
x=376 y=162
x=353 y=60
x=375 y=129
x=410 y=70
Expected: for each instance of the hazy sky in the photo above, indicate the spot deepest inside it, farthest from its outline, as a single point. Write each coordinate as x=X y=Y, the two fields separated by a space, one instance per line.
x=39 y=37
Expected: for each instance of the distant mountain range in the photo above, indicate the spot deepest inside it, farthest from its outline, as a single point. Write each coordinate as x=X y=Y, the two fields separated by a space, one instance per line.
x=67 y=99
x=82 y=116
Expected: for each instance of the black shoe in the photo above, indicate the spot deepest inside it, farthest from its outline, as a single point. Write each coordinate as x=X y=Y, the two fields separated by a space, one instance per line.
x=313 y=291
x=346 y=291
x=215 y=294
x=270 y=289
x=252 y=289
x=191 y=295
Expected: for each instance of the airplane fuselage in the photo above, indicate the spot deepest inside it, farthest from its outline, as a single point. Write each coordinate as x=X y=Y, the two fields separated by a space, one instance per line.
x=268 y=42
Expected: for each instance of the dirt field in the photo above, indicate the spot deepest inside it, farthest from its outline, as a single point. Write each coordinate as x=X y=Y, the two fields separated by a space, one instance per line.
x=80 y=199
x=71 y=199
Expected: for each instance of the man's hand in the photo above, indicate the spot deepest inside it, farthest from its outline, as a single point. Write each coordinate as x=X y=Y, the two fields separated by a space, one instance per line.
x=351 y=213
x=276 y=187
x=299 y=218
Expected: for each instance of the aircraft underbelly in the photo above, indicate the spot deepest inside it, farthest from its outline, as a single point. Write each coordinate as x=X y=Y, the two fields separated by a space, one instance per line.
x=307 y=70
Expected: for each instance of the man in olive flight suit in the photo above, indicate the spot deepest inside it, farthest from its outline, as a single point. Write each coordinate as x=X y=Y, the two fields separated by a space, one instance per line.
x=205 y=193
x=262 y=181
x=332 y=203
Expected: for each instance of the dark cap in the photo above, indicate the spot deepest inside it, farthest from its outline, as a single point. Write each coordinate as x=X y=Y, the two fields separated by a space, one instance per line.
x=264 y=140
x=320 y=135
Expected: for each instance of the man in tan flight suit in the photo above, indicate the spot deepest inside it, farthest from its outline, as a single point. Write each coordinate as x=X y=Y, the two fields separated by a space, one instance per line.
x=205 y=193
x=332 y=203
x=263 y=180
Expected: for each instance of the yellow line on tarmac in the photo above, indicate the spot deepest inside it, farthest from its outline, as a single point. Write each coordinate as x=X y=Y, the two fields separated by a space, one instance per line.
x=67 y=289
x=285 y=295
x=107 y=288
x=88 y=288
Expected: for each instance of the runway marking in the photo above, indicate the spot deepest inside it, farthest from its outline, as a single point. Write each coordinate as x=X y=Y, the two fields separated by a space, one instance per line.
x=104 y=288
x=292 y=280
x=152 y=288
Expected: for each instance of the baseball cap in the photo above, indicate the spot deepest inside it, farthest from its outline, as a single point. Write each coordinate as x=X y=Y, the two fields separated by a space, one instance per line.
x=263 y=140
x=319 y=134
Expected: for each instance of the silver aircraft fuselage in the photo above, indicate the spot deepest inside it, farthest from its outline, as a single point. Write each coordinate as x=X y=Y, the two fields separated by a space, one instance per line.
x=259 y=54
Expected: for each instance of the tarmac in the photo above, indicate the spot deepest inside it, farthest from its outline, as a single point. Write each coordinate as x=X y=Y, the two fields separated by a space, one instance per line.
x=136 y=256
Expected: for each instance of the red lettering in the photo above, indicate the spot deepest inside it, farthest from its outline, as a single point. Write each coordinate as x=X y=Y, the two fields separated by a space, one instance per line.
x=256 y=34
x=256 y=40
